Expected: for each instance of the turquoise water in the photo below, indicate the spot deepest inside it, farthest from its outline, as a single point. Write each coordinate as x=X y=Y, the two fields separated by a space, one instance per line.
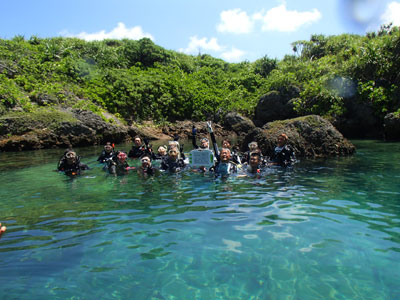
x=328 y=229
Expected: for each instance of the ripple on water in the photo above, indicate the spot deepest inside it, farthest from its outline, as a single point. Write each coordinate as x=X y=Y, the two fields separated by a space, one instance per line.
x=327 y=229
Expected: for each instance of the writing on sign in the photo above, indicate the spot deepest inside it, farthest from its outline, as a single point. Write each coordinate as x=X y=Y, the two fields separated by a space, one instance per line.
x=199 y=158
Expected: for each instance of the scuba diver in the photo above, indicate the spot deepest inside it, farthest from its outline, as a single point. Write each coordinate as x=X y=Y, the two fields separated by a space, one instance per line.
x=70 y=163
x=138 y=149
x=283 y=154
x=146 y=169
x=255 y=165
x=226 y=143
x=161 y=153
x=175 y=144
x=118 y=165
x=107 y=153
x=253 y=147
x=204 y=142
x=173 y=163
x=224 y=165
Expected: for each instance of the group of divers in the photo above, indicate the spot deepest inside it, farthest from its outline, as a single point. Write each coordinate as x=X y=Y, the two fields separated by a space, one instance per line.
x=172 y=159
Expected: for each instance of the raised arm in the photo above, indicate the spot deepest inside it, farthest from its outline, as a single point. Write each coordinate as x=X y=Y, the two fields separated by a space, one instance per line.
x=214 y=142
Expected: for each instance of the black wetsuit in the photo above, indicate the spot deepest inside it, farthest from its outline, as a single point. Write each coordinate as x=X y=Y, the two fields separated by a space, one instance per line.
x=224 y=169
x=104 y=156
x=283 y=156
x=260 y=168
x=137 y=151
x=151 y=171
x=115 y=167
x=235 y=158
x=71 y=169
x=159 y=157
x=172 y=166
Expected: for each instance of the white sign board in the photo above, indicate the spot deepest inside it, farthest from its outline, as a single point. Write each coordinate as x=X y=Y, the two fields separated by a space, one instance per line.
x=201 y=158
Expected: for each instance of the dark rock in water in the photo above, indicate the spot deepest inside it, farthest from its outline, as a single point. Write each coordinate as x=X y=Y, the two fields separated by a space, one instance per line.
x=238 y=123
x=359 y=121
x=309 y=136
x=392 y=127
x=52 y=128
x=276 y=105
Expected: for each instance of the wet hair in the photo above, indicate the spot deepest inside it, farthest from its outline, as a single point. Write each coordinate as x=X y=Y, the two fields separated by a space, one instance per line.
x=228 y=141
x=162 y=147
x=173 y=144
x=256 y=154
x=253 y=143
x=68 y=150
x=284 y=136
x=226 y=149
x=146 y=155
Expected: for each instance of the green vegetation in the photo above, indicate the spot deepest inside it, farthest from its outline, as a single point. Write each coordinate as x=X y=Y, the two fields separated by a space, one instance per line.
x=138 y=80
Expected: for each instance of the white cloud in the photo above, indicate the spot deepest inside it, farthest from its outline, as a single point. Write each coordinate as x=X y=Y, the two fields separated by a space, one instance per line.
x=199 y=45
x=392 y=14
x=234 y=55
x=196 y=45
x=281 y=19
x=235 y=21
x=119 y=32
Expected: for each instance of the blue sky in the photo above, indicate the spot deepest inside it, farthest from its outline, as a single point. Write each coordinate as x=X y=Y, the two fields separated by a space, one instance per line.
x=229 y=29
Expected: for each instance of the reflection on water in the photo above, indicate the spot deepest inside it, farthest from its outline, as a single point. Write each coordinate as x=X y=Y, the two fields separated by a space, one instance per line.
x=328 y=229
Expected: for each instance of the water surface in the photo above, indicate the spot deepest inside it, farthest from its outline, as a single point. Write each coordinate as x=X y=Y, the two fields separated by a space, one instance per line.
x=327 y=229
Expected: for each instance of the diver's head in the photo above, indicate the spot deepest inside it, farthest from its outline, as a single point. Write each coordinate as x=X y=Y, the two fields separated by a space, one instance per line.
x=255 y=159
x=146 y=161
x=253 y=146
x=173 y=144
x=108 y=147
x=173 y=153
x=121 y=157
x=282 y=139
x=204 y=143
x=70 y=156
x=225 y=155
x=226 y=143
x=162 y=150
x=137 y=141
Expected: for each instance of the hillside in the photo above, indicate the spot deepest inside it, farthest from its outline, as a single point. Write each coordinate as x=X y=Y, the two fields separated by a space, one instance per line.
x=351 y=80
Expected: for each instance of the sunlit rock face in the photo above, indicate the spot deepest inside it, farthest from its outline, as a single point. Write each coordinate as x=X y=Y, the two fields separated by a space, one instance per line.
x=309 y=136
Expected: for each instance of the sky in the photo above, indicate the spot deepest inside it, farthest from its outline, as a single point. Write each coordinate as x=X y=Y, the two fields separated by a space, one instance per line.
x=232 y=30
